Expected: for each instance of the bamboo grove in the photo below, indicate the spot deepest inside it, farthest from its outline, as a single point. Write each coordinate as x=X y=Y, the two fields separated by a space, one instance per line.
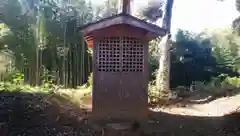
x=44 y=39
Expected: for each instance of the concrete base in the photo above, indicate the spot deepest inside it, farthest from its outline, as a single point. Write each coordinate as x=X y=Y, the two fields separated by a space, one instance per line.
x=119 y=129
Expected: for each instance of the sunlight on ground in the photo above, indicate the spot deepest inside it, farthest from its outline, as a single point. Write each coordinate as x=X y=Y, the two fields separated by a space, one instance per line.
x=216 y=108
x=81 y=96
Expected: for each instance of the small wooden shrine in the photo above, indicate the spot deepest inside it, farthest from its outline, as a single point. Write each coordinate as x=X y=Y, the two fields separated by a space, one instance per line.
x=120 y=65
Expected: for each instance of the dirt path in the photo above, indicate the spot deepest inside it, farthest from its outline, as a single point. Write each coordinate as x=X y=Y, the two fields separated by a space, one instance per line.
x=218 y=107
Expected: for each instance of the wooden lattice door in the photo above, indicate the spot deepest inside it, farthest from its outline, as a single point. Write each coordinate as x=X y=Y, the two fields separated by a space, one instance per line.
x=132 y=55
x=120 y=76
x=109 y=55
x=120 y=54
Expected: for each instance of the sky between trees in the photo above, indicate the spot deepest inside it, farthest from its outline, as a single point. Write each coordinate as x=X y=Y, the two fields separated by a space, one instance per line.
x=196 y=15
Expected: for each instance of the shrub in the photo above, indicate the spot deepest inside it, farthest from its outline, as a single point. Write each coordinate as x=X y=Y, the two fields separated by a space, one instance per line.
x=222 y=85
x=233 y=81
x=14 y=77
x=10 y=87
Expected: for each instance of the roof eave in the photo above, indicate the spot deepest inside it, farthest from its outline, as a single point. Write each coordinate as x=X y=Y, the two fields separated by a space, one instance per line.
x=123 y=19
x=99 y=25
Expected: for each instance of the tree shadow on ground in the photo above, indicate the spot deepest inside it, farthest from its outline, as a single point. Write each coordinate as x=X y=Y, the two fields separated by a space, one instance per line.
x=39 y=114
x=179 y=125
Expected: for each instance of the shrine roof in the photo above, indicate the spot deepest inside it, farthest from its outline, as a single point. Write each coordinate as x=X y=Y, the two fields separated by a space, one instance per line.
x=124 y=19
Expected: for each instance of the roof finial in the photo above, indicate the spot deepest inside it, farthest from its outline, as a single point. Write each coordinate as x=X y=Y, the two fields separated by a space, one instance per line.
x=126 y=6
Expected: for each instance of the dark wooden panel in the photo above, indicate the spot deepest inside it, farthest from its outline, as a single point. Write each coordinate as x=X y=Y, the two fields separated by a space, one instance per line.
x=134 y=98
x=119 y=95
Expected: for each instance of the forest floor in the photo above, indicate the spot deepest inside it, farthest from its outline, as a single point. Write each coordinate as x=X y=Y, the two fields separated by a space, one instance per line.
x=39 y=114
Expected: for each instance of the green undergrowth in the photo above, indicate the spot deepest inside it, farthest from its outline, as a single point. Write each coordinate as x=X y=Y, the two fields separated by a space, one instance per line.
x=74 y=96
x=14 y=83
x=221 y=86
x=11 y=87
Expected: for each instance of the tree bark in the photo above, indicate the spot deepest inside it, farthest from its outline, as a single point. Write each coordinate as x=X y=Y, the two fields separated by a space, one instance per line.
x=163 y=74
x=126 y=8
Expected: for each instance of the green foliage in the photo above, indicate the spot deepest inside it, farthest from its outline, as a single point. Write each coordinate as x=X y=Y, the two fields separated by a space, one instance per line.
x=155 y=96
x=233 y=81
x=48 y=83
x=236 y=22
x=226 y=48
x=14 y=81
x=8 y=87
x=12 y=87
x=14 y=77
x=199 y=57
x=90 y=80
x=217 y=84
x=153 y=58
x=38 y=37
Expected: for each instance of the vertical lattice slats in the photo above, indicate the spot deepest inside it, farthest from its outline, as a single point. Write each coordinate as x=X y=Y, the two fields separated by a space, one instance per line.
x=109 y=51
x=117 y=54
x=132 y=56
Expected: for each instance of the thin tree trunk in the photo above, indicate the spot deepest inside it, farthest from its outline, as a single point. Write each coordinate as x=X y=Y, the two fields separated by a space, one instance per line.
x=40 y=68
x=33 y=79
x=64 y=57
x=37 y=56
x=77 y=56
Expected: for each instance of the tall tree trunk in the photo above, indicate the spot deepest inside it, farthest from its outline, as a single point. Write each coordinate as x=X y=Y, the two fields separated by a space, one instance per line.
x=164 y=65
x=164 y=47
